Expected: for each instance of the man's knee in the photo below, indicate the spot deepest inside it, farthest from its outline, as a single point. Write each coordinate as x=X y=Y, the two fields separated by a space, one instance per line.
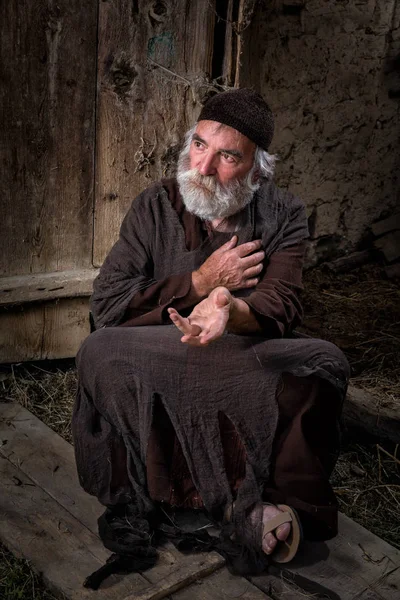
x=330 y=357
x=97 y=347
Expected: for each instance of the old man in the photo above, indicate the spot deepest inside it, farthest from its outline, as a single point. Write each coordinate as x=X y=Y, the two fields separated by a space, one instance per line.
x=194 y=391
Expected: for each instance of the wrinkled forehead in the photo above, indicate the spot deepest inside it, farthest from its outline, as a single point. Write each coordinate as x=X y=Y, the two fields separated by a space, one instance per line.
x=213 y=132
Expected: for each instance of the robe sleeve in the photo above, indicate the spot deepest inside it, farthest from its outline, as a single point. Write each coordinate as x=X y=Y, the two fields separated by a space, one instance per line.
x=275 y=301
x=125 y=291
x=148 y=306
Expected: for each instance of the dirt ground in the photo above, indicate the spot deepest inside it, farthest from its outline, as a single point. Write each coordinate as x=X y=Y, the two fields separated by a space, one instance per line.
x=360 y=312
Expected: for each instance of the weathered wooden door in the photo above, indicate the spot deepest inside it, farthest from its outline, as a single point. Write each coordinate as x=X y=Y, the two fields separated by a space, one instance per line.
x=96 y=99
x=48 y=87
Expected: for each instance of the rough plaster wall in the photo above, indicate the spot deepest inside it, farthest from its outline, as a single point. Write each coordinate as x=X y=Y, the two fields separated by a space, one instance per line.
x=331 y=71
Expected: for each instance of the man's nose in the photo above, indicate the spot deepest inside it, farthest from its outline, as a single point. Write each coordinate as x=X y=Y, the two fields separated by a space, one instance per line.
x=207 y=165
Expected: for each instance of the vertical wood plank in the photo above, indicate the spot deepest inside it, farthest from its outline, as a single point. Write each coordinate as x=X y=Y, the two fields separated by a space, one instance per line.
x=245 y=16
x=47 y=99
x=149 y=53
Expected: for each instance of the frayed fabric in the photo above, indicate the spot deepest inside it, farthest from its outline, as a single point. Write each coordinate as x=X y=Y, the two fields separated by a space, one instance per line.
x=123 y=371
x=133 y=540
x=128 y=536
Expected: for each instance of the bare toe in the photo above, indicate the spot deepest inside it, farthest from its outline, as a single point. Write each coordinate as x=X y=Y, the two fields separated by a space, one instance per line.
x=282 y=531
x=270 y=540
x=269 y=543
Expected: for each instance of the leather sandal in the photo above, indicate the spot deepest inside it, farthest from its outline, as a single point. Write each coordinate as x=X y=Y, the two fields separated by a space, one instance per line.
x=285 y=550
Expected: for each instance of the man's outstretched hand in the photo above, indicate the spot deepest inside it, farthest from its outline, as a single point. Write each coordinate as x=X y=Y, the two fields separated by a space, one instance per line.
x=207 y=322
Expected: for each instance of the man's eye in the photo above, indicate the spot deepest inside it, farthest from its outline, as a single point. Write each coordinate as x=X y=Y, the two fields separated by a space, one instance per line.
x=228 y=158
x=197 y=144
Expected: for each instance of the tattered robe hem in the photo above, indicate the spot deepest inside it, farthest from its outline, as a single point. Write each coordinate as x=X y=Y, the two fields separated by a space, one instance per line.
x=122 y=370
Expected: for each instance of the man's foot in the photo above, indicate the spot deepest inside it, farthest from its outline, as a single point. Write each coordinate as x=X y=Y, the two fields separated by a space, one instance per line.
x=281 y=533
x=281 y=530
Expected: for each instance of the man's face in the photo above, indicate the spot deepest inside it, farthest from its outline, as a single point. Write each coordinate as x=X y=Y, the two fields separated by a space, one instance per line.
x=220 y=151
x=215 y=171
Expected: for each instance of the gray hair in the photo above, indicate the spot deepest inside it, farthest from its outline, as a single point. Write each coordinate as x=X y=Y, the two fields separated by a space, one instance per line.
x=264 y=163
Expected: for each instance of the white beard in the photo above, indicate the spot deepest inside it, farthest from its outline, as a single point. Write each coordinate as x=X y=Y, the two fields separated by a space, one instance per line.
x=206 y=198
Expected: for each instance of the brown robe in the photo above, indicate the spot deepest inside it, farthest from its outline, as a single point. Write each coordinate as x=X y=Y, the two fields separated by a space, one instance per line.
x=134 y=380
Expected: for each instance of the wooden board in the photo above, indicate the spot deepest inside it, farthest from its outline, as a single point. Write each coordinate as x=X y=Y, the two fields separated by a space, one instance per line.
x=188 y=572
x=47 y=459
x=44 y=463
x=153 y=62
x=47 y=96
x=46 y=286
x=354 y=565
x=43 y=330
x=365 y=412
x=35 y=527
x=64 y=552
x=222 y=586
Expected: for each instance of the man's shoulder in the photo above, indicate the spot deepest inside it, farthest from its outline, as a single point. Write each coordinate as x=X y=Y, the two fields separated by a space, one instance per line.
x=273 y=198
x=155 y=194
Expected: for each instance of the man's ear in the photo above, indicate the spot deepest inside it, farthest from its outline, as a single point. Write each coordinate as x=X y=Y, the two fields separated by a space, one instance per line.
x=256 y=176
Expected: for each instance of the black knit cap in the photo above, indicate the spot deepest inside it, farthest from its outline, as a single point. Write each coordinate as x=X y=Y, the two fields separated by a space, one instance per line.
x=244 y=110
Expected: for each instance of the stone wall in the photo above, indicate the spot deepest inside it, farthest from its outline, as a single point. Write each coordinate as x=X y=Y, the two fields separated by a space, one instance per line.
x=330 y=70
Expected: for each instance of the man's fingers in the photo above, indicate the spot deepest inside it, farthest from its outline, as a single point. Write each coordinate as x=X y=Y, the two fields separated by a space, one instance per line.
x=254 y=259
x=183 y=324
x=251 y=283
x=248 y=247
x=194 y=341
x=252 y=271
x=229 y=245
x=221 y=299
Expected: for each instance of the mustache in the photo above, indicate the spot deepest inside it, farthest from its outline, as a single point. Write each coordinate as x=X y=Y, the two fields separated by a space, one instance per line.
x=206 y=182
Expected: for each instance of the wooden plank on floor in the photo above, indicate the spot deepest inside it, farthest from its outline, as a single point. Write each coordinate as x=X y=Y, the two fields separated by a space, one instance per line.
x=222 y=586
x=354 y=565
x=48 y=460
x=179 y=579
x=368 y=413
x=35 y=527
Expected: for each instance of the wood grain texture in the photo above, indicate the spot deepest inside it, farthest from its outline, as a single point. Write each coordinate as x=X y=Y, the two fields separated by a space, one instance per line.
x=363 y=411
x=149 y=54
x=45 y=330
x=46 y=286
x=354 y=565
x=188 y=572
x=222 y=585
x=246 y=12
x=48 y=461
x=35 y=527
x=48 y=72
